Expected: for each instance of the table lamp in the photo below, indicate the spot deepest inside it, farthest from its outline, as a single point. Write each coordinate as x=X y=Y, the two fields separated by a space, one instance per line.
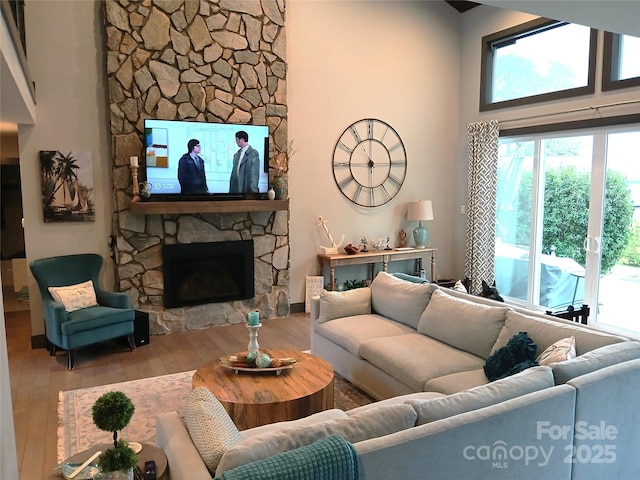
x=421 y=210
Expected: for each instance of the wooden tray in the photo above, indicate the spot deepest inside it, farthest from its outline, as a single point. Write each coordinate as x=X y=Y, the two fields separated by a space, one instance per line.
x=277 y=370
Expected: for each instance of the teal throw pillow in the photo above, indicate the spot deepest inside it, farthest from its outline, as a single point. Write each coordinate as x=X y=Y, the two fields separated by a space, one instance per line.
x=517 y=355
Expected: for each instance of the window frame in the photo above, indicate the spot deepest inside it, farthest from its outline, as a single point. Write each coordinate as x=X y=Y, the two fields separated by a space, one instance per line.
x=526 y=29
x=611 y=56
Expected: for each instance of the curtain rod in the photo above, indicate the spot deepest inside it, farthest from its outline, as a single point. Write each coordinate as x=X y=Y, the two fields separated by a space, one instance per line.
x=575 y=110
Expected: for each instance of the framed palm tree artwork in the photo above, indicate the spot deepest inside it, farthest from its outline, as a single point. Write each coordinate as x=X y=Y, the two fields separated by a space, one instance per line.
x=67 y=186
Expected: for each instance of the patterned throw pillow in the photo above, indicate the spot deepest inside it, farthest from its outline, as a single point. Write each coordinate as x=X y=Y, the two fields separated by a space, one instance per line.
x=344 y=304
x=517 y=355
x=560 y=351
x=211 y=429
x=75 y=297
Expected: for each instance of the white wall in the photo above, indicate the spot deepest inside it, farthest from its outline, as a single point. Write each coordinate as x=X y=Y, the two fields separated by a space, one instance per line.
x=65 y=56
x=395 y=61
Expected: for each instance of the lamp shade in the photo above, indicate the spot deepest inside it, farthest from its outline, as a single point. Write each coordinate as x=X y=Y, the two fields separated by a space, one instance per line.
x=421 y=210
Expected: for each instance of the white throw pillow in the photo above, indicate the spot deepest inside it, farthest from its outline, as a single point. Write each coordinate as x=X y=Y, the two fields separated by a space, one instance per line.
x=344 y=304
x=211 y=429
x=560 y=351
x=75 y=297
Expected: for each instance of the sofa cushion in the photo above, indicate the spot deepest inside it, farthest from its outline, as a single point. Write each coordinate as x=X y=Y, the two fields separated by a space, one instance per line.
x=413 y=359
x=75 y=297
x=595 y=360
x=397 y=400
x=560 y=351
x=350 y=332
x=517 y=355
x=344 y=304
x=461 y=323
x=400 y=300
x=528 y=381
x=546 y=332
x=319 y=417
x=457 y=382
x=211 y=429
x=370 y=424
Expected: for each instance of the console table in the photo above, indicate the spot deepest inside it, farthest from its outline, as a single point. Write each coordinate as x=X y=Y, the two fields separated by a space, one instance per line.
x=382 y=256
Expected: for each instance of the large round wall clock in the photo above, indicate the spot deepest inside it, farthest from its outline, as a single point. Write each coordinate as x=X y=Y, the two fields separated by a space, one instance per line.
x=369 y=162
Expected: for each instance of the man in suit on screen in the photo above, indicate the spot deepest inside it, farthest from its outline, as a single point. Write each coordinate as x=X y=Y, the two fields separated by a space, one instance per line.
x=246 y=167
x=191 y=170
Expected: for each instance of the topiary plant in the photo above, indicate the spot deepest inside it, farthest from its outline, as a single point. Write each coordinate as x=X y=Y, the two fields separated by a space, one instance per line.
x=111 y=412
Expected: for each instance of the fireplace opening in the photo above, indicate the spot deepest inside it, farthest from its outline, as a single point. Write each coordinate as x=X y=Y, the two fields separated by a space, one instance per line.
x=211 y=272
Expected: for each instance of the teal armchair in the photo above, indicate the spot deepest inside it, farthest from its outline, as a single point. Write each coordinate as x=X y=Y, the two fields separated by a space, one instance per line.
x=113 y=317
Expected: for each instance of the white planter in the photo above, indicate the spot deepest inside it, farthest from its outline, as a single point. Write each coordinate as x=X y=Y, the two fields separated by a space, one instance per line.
x=119 y=475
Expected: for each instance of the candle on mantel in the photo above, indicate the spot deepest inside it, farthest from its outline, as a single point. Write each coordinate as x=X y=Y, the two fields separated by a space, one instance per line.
x=254 y=319
x=134 y=161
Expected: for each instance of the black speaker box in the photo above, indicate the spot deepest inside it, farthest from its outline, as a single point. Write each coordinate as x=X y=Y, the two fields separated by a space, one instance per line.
x=141 y=328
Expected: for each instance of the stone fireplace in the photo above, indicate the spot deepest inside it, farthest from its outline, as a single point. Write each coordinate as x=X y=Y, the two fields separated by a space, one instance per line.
x=207 y=60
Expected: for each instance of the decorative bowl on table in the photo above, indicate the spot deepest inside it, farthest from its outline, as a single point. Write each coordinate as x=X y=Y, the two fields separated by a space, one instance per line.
x=257 y=362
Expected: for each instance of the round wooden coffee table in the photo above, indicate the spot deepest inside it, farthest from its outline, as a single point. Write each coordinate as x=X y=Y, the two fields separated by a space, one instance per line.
x=257 y=398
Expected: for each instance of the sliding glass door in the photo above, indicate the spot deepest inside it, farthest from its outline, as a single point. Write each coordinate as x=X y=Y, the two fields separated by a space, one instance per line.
x=567 y=220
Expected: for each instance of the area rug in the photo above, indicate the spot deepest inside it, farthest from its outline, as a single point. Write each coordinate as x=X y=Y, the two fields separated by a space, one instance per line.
x=151 y=396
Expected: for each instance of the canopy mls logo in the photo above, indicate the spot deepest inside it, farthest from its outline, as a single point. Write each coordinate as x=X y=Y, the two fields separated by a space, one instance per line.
x=597 y=450
x=500 y=454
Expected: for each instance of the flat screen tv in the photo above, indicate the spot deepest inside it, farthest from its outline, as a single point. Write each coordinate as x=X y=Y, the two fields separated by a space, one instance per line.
x=166 y=141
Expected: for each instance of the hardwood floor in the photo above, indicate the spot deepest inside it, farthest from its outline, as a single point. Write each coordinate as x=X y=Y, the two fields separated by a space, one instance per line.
x=36 y=377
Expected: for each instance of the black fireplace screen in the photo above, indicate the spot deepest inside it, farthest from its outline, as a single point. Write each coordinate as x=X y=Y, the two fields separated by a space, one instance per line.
x=212 y=272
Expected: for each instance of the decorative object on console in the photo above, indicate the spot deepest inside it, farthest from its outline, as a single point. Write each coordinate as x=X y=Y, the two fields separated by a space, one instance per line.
x=333 y=249
x=402 y=243
x=111 y=412
x=351 y=250
x=420 y=211
x=378 y=244
x=363 y=244
x=363 y=146
x=271 y=193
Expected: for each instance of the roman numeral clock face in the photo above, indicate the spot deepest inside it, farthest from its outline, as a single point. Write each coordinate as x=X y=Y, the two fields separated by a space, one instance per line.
x=369 y=163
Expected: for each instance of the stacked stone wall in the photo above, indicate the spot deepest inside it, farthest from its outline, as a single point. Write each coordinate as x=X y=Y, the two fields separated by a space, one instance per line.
x=220 y=61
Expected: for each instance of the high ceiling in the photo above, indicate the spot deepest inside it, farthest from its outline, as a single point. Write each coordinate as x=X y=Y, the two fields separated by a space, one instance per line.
x=462 y=6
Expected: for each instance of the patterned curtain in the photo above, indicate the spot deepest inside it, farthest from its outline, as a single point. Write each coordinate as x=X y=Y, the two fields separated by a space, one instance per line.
x=481 y=214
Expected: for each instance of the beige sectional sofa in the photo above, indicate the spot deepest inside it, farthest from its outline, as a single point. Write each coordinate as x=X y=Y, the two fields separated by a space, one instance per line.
x=421 y=351
x=397 y=337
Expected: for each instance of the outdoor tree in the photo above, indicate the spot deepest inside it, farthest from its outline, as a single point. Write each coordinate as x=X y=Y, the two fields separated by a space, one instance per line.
x=566 y=214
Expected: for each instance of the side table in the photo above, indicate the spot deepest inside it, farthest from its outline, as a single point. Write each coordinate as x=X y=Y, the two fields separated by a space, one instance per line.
x=148 y=452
